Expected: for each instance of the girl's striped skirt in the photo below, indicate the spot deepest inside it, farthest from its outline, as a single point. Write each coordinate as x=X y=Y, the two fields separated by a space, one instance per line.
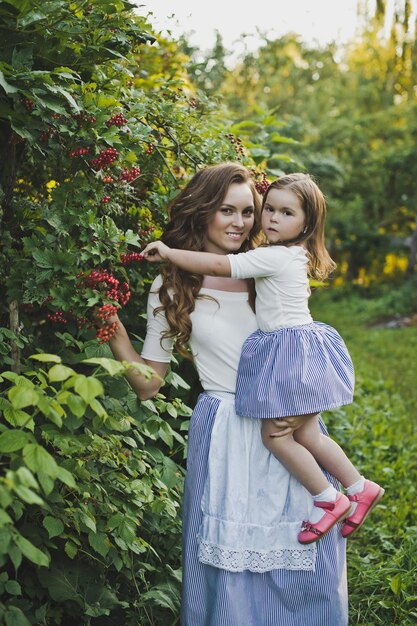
x=302 y=590
x=293 y=371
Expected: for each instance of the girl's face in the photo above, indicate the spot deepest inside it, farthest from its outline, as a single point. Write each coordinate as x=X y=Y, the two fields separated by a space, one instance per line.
x=232 y=221
x=283 y=217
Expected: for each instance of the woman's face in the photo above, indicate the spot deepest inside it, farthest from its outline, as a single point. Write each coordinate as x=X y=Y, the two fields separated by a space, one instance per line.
x=232 y=221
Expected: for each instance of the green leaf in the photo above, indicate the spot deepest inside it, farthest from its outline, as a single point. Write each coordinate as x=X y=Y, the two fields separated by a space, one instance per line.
x=112 y=366
x=5 y=537
x=60 y=372
x=15 y=555
x=14 y=616
x=165 y=433
x=26 y=478
x=31 y=552
x=77 y=405
x=5 y=518
x=88 y=388
x=27 y=495
x=98 y=408
x=12 y=440
x=22 y=396
x=6 y=86
x=39 y=460
x=66 y=477
x=17 y=417
x=54 y=526
x=88 y=521
x=46 y=358
x=13 y=587
x=70 y=549
x=98 y=541
x=47 y=483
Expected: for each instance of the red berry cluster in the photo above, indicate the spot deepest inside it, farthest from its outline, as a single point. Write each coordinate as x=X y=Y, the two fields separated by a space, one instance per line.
x=129 y=175
x=105 y=199
x=102 y=279
x=78 y=152
x=130 y=257
x=237 y=144
x=47 y=134
x=57 y=317
x=28 y=104
x=144 y=232
x=150 y=148
x=261 y=182
x=105 y=333
x=106 y=157
x=107 y=180
x=193 y=103
x=116 y=120
x=106 y=311
x=83 y=118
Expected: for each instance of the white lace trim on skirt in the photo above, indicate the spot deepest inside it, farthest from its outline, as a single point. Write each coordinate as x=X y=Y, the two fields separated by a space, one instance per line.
x=302 y=558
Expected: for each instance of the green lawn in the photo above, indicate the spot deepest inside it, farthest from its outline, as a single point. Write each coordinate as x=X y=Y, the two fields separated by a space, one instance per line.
x=378 y=431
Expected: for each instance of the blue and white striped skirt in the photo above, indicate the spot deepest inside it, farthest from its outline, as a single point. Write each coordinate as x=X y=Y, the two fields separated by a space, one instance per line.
x=293 y=371
x=213 y=596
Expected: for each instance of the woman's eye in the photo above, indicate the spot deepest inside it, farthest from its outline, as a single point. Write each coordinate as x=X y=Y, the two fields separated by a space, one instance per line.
x=226 y=211
x=248 y=213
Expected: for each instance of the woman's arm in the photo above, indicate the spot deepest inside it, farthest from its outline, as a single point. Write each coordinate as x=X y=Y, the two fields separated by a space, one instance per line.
x=145 y=386
x=189 y=260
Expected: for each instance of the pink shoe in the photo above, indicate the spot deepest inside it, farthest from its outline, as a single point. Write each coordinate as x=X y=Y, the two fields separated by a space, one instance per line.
x=335 y=511
x=366 y=500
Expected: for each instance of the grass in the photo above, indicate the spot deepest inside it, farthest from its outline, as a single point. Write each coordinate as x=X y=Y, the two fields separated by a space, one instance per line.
x=378 y=432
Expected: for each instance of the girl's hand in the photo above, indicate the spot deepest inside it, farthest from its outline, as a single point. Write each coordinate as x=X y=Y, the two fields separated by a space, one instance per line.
x=287 y=425
x=155 y=251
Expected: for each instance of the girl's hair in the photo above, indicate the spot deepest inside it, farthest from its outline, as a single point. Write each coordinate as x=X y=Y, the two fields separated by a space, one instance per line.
x=314 y=206
x=190 y=214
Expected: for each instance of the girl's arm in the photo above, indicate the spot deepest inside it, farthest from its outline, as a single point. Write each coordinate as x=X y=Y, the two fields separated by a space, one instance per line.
x=145 y=387
x=189 y=260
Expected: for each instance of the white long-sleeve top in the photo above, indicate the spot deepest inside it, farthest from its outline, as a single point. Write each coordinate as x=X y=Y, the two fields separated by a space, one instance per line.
x=282 y=287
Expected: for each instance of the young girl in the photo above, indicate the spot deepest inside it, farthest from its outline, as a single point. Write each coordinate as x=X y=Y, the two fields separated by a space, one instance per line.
x=292 y=366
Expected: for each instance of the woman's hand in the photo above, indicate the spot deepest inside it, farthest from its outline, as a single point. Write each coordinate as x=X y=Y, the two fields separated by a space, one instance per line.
x=155 y=251
x=286 y=426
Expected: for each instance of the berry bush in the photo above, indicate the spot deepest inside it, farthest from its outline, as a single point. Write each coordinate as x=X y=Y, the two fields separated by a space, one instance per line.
x=99 y=127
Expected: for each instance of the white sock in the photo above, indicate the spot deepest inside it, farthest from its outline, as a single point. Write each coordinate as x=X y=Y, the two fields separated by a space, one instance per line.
x=354 y=489
x=328 y=495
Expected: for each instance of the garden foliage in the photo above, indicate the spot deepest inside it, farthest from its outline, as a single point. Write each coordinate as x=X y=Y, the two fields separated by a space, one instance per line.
x=99 y=127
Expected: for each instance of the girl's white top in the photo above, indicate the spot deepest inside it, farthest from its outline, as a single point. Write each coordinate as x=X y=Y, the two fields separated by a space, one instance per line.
x=282 y=287
x=221 y=321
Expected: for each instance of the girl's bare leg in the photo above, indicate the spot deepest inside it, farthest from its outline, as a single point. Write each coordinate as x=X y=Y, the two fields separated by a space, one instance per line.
x=295 y=457
x=326 y=451
x=303 y=451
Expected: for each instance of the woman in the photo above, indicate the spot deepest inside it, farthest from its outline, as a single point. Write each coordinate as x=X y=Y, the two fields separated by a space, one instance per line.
x=242 y=563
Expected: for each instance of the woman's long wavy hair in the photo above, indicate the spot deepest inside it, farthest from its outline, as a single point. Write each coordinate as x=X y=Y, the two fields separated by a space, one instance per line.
x=313 y=204
x=189 y=215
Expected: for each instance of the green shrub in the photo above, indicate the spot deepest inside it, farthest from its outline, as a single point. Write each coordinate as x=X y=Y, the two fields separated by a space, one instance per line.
x=89 y=496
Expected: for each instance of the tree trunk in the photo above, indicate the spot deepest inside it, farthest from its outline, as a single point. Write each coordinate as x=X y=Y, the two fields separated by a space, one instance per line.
x=14 y=327
x=413 y=253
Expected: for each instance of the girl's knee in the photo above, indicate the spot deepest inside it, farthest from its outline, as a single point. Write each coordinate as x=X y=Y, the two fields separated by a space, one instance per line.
x=268 y=429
